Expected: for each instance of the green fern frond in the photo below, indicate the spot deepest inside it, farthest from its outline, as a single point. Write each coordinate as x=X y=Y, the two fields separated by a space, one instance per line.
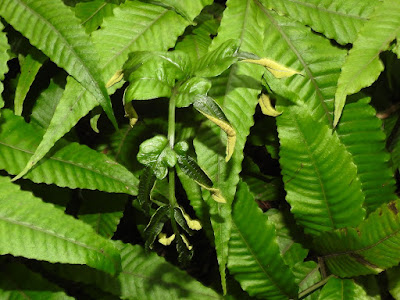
x=52 y=28
x=363 y=66
x=69 y=165
x=261 y=273
x=37 y=230
x=336 y=19
x=368 y=249
x=320 y=177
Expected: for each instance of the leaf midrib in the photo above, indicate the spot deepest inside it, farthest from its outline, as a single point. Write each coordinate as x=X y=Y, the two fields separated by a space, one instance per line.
x=96 y=12
x=127 y=185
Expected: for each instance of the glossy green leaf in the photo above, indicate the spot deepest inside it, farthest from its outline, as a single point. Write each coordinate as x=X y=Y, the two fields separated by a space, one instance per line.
x=307 y=274
x=92 y=13
x=19 y=282
x=30 y=66
x=261 y=273
x=342 y=289
x=236 y=91
x=3 y=60
x=115 y=41
x=368 y=249
x=158 y=155
x=52 y=28
x=102 y=211
x=69 y=165
x=146 y=184
x=336 y=19
x=363 y=66
x=191 y=88
x=38 y=230
x=218 y=60
x=320 y=178
x=189 y=167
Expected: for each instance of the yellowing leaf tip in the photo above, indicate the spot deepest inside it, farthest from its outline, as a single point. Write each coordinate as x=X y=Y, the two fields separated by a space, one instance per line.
x=164 y=240
x=276 y=69
x=117 y=77
x=266 y=106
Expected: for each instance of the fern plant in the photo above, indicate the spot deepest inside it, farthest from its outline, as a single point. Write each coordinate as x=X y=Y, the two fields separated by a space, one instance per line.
x=248 y=149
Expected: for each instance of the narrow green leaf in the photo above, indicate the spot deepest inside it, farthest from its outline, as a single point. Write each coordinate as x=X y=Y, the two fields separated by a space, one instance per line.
x=4 y=57
x=157 y=154
x=236 y=91
x=46 y=104
x=52 y=28
x=69 y=165
x=146 y=184
x=102 y=211
x=261 y=273
x=46 y=233
x=155 y=225
x=342 y=289
x=189 y=167
x=320 y=178
x=92 y=13
x=363 y=66
x=19 y=282
x=368 y=249
x=115 y=41
x=307 y=274
x=181 y=220
x=30 y=66
x=336 y=19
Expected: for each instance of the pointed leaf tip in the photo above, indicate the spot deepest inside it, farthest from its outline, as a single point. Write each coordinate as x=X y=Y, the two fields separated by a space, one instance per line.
x=276 y=69
x=266 y=106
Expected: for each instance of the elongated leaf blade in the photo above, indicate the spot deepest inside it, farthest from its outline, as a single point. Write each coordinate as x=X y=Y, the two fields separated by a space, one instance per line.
x=115 y=41
x=363 y=66
x=52 y=28
x=368 y=249
x=29 y=69
x=336 y=19
x=261 y=273
x=236 y=92
x=19 y=282
x=70 y=165
x=38 y=230
x=4 y=57
x=320 y=177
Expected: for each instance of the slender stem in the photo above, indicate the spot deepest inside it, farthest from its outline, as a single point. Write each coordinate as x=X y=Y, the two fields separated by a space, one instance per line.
x=314 y=287
x=171 y=178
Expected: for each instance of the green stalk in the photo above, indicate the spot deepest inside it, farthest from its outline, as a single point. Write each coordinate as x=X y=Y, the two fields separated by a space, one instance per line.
x=171 y=178
x=314 y=287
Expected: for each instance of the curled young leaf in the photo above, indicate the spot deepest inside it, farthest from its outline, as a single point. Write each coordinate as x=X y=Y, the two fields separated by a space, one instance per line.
x=130 y=112
x=146 y=185
x=117 y=77
x=155 y=225
x=157 y=154
x=211 y=110
x=190 y=89
x=266 y=106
